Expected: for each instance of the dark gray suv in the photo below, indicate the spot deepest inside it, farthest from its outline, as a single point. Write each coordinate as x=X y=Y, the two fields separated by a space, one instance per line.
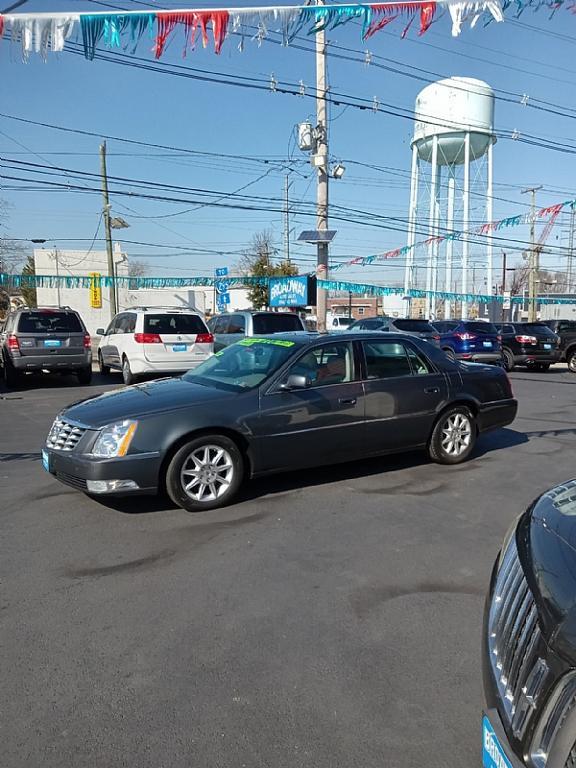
x=45 y=339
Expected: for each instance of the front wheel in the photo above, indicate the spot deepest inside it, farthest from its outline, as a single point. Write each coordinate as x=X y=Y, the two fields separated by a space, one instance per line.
x=127 y=374
x=453 y=437
x=571 y=361
x=206 y=473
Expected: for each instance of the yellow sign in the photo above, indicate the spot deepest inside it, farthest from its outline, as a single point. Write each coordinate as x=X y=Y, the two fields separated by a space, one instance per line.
x=95 y=290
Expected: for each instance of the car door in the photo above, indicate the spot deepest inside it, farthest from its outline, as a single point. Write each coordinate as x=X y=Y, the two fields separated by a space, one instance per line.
x=114 y=338
x=319 y=424
x=403 y=393
x=104 y=346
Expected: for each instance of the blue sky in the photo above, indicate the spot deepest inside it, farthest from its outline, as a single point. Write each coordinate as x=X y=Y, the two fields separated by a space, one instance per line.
x=534 y=56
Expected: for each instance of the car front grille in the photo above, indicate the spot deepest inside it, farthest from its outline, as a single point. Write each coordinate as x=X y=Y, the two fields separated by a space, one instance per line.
x=64 y=436
x=514 y=641
x=75 y=482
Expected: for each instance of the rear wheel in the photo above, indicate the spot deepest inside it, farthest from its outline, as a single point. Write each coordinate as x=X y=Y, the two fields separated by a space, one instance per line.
x=127 y=374
x=508 y=360
x=104 y=369
x=571 y=360
x=85 y=376
x=206 y=473
x=454 y=436
x=11 y=375
x=449 y=354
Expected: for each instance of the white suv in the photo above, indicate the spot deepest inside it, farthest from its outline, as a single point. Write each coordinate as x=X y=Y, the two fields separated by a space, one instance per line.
x=154 y=340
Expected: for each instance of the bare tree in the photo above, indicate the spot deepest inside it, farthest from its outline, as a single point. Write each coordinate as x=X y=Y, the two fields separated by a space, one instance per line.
x=257 y=262
x=138 y=268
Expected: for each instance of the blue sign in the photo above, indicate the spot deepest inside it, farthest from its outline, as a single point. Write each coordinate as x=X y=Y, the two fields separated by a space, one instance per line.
x=224 y=298
x=222 y=286
x=290 y=291
x=493 y=755
x=221 y=271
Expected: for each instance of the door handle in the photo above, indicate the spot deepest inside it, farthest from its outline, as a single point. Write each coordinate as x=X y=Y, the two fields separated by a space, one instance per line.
x=432 y=390
x=347 y=401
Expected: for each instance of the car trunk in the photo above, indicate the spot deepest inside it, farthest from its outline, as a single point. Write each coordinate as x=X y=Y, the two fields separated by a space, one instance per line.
x=546 y=342
x=483 y=337
x=50 y=333
x=175 y=339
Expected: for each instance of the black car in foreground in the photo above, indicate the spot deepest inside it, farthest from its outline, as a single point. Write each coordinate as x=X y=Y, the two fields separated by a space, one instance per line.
x=531 y=344
x=269 y=404
x=529 y=639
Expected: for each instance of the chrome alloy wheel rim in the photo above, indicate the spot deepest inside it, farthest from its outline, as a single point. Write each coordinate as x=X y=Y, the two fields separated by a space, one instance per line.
x=456 y=434
x=207 y=473
x=572 y=363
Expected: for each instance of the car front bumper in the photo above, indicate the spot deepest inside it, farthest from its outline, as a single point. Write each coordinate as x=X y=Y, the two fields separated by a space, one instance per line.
x=52 y=362
x=490 y=753
x=76 y=470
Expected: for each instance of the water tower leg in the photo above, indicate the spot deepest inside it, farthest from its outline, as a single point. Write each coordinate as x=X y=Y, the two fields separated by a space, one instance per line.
x=412 y=213
x=431 y=222
x=465 y=222
x=435 y=245
x=449 y=243
x=489 y=244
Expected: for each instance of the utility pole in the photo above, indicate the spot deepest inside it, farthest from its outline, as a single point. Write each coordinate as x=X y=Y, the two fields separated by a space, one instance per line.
x=534 y=265
x=322 y=182
x=570 y=267
x=108 y=229
x=286 y=220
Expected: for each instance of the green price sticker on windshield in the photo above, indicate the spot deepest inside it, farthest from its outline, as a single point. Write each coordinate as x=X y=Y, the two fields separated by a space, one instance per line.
x=275 y=342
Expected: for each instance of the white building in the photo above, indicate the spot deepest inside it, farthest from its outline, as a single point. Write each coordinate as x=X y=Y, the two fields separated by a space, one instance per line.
x=52 y=261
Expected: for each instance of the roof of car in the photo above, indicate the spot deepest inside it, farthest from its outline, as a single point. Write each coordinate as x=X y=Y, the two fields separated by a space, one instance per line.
x=306 y=338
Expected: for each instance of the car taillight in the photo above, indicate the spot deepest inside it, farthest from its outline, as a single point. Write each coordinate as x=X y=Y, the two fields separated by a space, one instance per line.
x=13 y=342
x=465 y=336
x=526 y=339
x=499 y=338
x=147 y=338
x=436 y=338
x=204 y=338
x=87 y=341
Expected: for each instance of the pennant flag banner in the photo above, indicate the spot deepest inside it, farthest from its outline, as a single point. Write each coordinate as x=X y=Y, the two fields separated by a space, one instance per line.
x=44 y=32
x=550 y=212
x=14 y=282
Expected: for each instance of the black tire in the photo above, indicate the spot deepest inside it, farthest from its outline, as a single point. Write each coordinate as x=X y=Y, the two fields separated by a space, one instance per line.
x=507 y=360
x=464 y=430
x=571 y=360
x=541 y=367
x=11 y=375
x=104 y=369
x=127 y=374
x=571 y=759
x=450 y=354
x=85 y=376
x=217 y=493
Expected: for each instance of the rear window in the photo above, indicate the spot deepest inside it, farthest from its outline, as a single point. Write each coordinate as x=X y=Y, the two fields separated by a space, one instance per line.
x=276 y=323
x=480 y=328
x=414 y=326
x=366 y=325
x=174 y=324
x=539 y=328
x=49 y=322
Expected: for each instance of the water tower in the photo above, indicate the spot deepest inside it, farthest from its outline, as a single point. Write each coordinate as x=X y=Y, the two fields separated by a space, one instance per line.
x=451 y=189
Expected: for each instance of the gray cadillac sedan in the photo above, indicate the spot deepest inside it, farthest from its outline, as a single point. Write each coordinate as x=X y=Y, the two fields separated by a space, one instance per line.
x=276 y=403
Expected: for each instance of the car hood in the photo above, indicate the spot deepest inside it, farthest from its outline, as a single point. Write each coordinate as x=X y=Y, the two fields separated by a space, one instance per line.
x=141 y=400
x=547 y=545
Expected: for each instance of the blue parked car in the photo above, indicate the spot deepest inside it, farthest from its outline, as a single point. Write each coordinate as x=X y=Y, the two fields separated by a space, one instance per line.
x=472 y=340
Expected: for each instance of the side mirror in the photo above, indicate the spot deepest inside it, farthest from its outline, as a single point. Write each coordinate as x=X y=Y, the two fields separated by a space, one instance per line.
x=294 y=381
x=100 y=332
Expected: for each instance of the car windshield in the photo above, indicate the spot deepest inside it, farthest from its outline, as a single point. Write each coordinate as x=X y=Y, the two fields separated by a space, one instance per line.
x=173 y=323
x=481 y=328
x=414 y=326
x=49 y=322
x=540 y=328
x=243 y=365
x=276 y=322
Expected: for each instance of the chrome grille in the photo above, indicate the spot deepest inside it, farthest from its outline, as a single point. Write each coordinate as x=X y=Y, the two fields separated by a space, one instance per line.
x=64 y=436
x=514 y=639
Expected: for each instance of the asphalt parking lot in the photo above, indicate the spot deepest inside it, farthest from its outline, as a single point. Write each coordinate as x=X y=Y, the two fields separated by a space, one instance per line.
x=330 y=618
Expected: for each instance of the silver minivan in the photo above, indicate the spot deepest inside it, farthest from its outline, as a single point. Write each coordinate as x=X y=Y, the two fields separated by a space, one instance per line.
x=231 y=327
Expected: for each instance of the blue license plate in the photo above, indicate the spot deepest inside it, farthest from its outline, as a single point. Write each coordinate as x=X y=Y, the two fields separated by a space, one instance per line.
x=487 y=344
x=547 y=346
x=46 y=460
x=52 y=343
x=493 y=755
x=179 y=348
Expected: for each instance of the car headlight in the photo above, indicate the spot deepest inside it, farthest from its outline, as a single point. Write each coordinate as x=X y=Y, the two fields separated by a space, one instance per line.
x=114 y=440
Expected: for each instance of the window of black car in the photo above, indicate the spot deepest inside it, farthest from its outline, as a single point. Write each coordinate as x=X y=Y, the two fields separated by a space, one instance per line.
x=174 y=323
x=535 y=328
x=328 y=364
x=506 y=329
x=414 y=326
x=237 y=324
x=472 y=327
x=567 y=325
x=386 y=360
x=243 y=365
x=370 y=324
x=276 y=322
x=420 y=366
x=445 y=326
x=49 y=322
